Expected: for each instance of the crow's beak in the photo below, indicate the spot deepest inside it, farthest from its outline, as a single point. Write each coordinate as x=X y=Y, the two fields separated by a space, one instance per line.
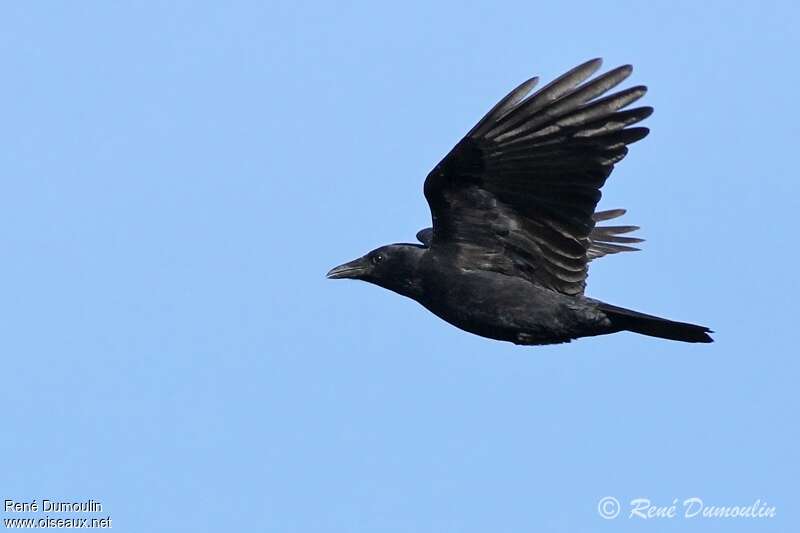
x=353 y=270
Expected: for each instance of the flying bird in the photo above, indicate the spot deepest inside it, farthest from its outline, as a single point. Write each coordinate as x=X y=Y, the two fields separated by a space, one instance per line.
x=514 y=220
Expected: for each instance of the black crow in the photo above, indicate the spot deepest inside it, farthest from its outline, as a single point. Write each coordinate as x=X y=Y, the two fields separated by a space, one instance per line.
x=514 y=221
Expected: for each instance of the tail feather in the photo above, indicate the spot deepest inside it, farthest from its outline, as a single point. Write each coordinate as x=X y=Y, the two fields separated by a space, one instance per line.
x=627 y=320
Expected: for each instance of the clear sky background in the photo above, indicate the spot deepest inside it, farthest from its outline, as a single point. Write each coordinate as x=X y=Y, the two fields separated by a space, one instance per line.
x=178 y=177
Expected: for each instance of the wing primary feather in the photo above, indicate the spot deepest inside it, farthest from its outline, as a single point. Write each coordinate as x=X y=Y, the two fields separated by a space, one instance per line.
x=585 y=123
x=547 y=94
x=502 y=107
x=603 y=106
x=614 y=122
x=599 y=216
x=614 y=230
x=570 y=102
x=614 y=238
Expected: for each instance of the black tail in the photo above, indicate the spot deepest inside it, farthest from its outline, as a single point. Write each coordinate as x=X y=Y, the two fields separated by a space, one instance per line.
x=627 y=320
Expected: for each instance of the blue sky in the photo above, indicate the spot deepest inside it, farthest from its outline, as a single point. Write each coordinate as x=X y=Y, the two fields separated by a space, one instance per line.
x=178 y=177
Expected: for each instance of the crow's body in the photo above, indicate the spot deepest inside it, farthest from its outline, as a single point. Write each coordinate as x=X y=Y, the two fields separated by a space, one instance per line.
x=514 y=221
x=508 y=308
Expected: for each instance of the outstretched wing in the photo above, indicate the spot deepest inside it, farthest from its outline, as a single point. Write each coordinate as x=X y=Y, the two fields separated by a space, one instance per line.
x=516 y=195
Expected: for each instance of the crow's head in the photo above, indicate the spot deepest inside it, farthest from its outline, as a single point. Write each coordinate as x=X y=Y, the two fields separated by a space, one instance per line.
x=393 y=267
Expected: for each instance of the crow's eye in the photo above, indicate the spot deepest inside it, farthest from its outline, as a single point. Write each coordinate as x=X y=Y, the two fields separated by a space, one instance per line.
x=377 y=258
